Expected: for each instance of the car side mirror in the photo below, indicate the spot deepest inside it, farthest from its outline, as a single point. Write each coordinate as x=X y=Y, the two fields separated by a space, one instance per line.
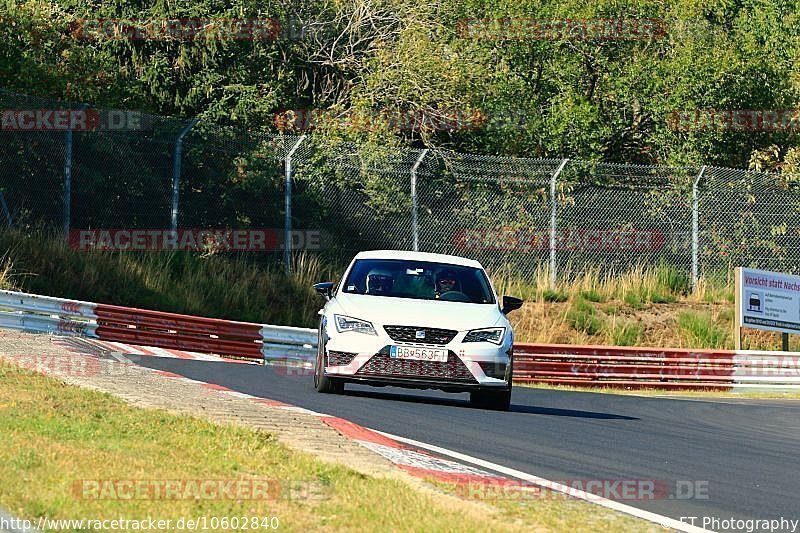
x=325 y=289
x=511 y=303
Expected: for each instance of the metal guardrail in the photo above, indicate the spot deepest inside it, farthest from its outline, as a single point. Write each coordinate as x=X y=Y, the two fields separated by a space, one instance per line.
x=47 y=314
x=660 y=368
x=555 y=364
x=31 y=312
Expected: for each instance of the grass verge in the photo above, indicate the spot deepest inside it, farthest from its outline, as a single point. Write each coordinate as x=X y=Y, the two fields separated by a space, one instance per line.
x=525 y=505
x=56 y=435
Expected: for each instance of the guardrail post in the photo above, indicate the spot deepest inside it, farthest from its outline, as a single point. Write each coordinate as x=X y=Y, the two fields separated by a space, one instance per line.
x=287 y=217
x=176 y=173
x=696 y=230
x=414 y=219
x=68 y=177
x=553 y=213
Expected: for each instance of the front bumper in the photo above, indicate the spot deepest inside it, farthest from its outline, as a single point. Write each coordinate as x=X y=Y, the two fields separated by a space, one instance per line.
x=356 y=357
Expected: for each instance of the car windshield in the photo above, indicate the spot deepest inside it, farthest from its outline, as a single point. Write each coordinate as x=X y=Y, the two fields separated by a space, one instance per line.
x=421 y=280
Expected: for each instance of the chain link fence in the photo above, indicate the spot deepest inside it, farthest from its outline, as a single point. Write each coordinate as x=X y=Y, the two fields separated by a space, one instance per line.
x=133 y=171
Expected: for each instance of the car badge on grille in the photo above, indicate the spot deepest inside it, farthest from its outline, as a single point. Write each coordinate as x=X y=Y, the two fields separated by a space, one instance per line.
x=420 y=334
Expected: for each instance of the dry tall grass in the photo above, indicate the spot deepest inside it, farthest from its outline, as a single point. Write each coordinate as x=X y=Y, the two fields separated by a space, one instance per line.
x=643 y=283
x=6 y=274
x=212 y=285
x=644 y=306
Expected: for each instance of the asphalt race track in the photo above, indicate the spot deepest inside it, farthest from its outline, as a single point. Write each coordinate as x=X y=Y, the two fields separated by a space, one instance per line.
x=742 y=455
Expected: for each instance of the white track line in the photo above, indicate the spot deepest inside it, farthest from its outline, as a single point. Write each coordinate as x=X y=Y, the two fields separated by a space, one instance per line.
x=162 y=352
x=119 y=356
x=202 y=356
x=130 y=350
x=552 y=485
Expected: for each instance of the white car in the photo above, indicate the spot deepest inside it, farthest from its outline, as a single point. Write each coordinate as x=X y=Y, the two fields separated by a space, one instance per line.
x=418 y=320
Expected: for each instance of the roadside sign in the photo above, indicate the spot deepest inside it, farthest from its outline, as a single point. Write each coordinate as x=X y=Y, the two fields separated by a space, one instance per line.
x=767 y=300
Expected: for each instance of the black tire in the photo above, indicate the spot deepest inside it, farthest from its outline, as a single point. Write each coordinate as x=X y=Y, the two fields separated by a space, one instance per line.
x=493 y=400
x=323 y=383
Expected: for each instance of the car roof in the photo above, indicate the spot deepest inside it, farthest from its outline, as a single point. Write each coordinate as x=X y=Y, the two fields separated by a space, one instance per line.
x=418 y=256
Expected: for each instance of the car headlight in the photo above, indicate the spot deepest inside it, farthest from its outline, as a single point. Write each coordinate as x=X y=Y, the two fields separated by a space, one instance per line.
x=347 y=323
x=493 y=335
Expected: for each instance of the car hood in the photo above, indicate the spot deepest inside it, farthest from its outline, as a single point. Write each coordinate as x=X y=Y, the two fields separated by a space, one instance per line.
x=410 y=312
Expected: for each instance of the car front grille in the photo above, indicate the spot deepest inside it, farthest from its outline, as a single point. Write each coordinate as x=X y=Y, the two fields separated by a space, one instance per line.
x=381 y=365
x=339 y=358
x=409 y=334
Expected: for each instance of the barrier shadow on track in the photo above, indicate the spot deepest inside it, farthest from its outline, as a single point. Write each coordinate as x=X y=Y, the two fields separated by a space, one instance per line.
x=411 y=398
x=515 y=408
x=552 y=411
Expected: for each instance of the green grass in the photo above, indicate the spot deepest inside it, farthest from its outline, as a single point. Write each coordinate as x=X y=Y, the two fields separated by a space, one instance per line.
x=523 y=505
x=584 y=317
x=59 y=439
x=700 y=330
x=593 y=296
x=662 y=298
x=554 y=296
x=626 y=333
x=673 y=282
x=611 y=309
x=633 y=300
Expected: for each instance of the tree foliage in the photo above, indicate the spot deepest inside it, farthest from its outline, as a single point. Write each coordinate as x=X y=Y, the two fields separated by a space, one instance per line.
x=594 y=99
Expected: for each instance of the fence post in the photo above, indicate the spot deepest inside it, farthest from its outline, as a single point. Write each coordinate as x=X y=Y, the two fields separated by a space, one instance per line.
x=414 y=220
x=6 y=212
x=287 y=217
x=696 y=230
x=553 y=212
x=176 y=174
x=68 y=177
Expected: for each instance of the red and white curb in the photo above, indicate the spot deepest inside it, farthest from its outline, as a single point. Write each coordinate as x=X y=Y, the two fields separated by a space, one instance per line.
x=416 y=462
x=426 y=460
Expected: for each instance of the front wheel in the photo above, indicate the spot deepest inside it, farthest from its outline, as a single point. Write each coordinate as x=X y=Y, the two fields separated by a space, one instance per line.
x=494 y=400
x=323 y=383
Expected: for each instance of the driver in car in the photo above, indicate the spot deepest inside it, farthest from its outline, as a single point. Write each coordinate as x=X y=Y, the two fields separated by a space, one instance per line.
x=446 y=281
x=379 y=281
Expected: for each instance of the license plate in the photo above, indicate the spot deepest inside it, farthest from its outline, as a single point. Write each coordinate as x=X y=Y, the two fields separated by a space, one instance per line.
x=417 y=353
